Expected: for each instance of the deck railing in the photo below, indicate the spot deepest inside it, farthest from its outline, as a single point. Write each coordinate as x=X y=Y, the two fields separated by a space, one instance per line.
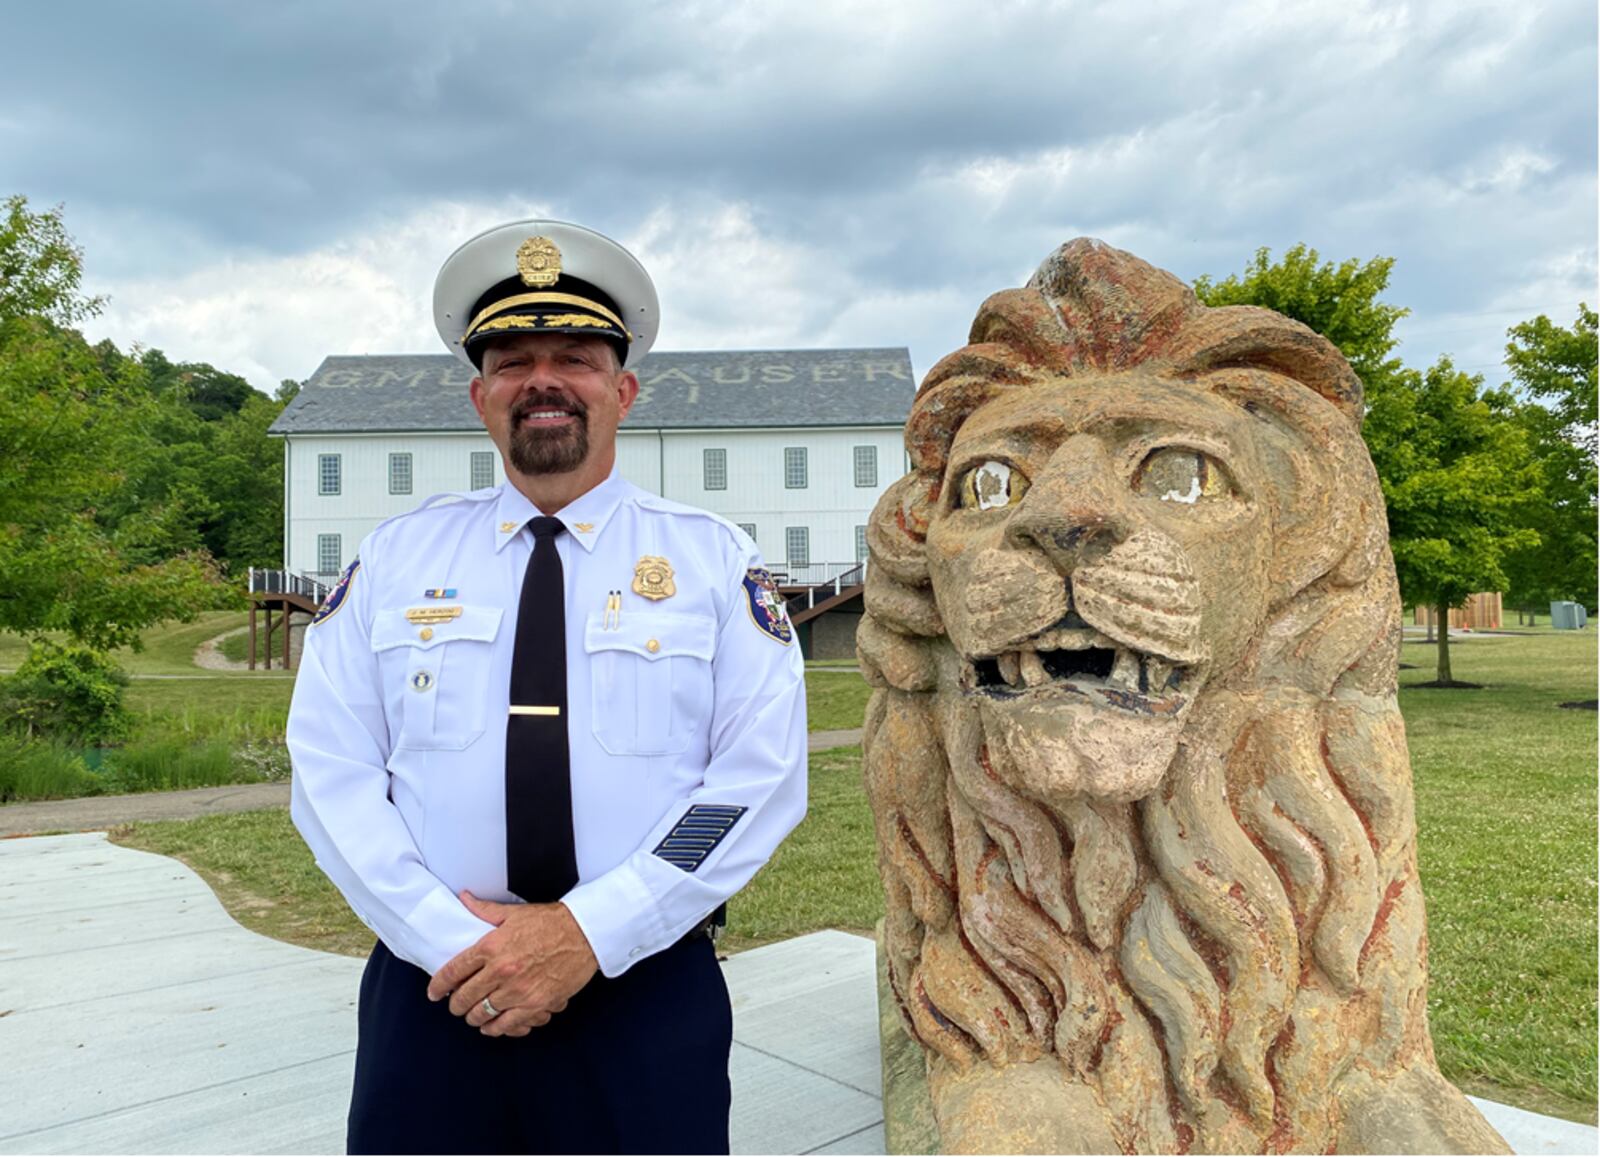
x=834 y=579
x=810 y=574
x=314 y=586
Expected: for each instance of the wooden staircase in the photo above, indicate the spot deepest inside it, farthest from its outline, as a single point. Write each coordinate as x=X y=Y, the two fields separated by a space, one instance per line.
x=808 y=600
x=283 y=593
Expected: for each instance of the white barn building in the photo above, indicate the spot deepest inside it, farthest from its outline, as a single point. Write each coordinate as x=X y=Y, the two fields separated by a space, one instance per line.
x=793 y=445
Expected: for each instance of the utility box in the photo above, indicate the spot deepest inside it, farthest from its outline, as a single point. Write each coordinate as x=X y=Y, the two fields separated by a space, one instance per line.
x=1568 y=616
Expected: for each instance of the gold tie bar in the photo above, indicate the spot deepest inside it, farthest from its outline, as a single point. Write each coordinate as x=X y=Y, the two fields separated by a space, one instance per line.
x=516 y=710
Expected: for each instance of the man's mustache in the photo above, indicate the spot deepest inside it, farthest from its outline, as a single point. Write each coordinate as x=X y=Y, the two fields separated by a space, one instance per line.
x=547 y=401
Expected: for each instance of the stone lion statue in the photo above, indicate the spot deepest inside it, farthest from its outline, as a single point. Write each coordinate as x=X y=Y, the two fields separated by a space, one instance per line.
x=1136 y=765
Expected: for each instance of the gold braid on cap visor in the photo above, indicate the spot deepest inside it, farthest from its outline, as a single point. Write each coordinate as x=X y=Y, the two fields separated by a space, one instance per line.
x=482 y=321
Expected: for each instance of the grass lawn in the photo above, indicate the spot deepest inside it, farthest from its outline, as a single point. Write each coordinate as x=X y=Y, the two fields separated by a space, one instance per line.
x=1505 y=784
x=168 y=649
x=835 y=700
x=215 y=703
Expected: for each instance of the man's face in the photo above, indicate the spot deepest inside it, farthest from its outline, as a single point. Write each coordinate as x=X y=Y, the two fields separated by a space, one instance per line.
x=552 y=402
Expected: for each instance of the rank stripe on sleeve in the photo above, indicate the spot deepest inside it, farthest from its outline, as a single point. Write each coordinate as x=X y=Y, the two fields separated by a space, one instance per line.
x=697 y=833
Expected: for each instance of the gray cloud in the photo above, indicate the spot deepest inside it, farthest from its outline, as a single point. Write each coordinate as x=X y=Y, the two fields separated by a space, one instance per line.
x=855 y=167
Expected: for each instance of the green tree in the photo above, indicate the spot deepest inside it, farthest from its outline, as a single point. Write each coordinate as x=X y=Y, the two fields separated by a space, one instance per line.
x=207 y=392
x=246 y=480
x=71 y=438
x=1554 y=369
x=1454 y=460
x=73 y=694
x=40 y=267
x=1338 y=301
x=1457 y=475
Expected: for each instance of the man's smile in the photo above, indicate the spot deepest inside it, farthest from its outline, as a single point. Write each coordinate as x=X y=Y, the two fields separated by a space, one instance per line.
x=547 y=413
x=547 y=418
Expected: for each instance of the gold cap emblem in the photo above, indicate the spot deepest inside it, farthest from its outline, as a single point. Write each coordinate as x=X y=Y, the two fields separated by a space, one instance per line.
x=652 y=578
x=539 y=262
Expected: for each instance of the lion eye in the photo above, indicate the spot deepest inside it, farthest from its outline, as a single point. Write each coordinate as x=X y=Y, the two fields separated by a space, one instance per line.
x=991 y=485
x=1176 y=474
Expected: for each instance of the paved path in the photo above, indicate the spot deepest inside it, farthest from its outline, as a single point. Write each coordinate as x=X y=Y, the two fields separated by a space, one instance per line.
x=102 y=811
x=137 y=1017
x=99 y=812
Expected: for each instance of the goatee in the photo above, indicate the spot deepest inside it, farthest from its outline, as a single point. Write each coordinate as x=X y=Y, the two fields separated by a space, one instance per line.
x=553 y=451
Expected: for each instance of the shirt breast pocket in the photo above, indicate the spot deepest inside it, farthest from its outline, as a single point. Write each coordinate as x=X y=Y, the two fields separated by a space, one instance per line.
x=650 y=679
x=445 y=669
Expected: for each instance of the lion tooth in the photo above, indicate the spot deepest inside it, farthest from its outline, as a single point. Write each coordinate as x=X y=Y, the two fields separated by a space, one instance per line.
x=1010 y=667
x=1159 y=671
x=1125 y=672
x=1033 y=672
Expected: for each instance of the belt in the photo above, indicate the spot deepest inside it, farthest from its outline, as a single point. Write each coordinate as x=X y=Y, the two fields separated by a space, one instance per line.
x=711 y=927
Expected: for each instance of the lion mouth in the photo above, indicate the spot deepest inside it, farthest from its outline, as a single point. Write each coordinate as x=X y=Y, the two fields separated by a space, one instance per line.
x=1082 y=662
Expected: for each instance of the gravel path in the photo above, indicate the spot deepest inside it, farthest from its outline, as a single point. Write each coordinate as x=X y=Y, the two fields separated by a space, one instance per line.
x=100 y=812
x=209 y=653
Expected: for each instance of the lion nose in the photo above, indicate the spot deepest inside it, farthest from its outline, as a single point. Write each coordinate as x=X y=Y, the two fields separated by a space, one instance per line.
x=1076 y=510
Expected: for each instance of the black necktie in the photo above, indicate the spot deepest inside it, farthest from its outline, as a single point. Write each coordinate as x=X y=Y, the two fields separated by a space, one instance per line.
x=541 y=864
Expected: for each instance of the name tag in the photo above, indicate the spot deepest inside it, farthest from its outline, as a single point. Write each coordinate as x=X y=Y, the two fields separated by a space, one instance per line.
x=432 y=614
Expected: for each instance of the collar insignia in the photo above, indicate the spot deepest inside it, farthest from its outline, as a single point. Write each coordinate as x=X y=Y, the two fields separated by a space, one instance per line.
x=583 y=527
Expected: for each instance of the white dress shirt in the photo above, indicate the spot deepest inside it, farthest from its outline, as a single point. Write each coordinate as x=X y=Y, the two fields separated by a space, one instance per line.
x=694 y=701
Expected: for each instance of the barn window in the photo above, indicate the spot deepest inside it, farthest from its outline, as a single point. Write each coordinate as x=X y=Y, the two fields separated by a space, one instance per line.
x=861 y=544
x=330 y=557
x=749 y=528
x=329 y=475
x=794 y=467
x=797 y=539
x=866 y=465
x=399 y=473
x=716 y=469
x=482 y=469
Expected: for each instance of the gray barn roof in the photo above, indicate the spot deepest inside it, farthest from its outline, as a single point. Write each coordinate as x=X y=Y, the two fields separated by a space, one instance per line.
x=412 y=392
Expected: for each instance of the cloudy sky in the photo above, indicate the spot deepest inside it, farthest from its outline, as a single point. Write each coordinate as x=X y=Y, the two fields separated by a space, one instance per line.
x=259 y=186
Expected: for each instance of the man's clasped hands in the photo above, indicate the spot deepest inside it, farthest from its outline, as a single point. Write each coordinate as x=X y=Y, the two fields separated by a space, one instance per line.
x=533 y=962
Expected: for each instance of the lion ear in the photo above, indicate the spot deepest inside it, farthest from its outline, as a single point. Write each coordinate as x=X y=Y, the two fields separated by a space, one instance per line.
x=898 y=529
x=899 y=612
x=1249 y=337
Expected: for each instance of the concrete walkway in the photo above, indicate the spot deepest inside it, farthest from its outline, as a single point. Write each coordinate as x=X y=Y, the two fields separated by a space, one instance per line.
x=103 y=811
x=137 y=1017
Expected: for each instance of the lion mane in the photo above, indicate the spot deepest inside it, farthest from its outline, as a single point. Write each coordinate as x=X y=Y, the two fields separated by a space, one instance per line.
x=1215 y=960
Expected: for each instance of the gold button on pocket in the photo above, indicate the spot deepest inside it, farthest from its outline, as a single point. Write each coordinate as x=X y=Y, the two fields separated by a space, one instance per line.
x=425 y=634
x=650 y=679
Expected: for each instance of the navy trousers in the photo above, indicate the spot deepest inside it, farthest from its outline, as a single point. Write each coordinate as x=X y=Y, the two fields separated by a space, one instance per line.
x=638 y=1064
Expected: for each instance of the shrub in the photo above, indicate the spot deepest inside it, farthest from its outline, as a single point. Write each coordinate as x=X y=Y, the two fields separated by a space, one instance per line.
x=172 y=763
x=30 y=769
x=69 y=693
x=263 y=759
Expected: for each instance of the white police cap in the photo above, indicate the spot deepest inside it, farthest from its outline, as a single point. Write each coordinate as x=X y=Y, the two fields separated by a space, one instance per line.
x=544 y=277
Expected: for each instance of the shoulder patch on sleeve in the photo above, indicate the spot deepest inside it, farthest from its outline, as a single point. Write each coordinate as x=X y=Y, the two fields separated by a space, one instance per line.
x=338 y=594
x=765 y=605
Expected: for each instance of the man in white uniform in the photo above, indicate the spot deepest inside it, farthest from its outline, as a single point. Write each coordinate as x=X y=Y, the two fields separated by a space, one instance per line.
x=540 y=734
